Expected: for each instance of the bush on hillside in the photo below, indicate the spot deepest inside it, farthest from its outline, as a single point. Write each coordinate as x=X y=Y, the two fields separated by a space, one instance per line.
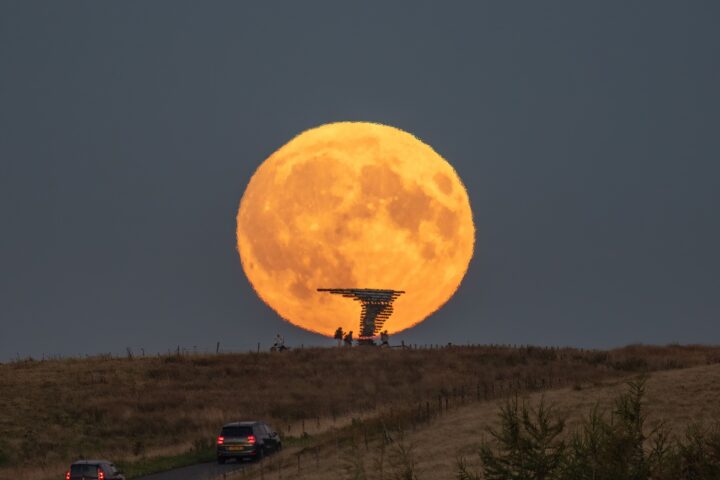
x=529 y=446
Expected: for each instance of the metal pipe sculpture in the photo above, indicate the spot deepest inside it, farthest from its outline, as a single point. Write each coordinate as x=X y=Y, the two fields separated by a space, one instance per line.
x=376 y=308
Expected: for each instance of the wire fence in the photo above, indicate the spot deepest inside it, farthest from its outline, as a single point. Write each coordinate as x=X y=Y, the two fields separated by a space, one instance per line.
x=219 y=348
x=383 y=425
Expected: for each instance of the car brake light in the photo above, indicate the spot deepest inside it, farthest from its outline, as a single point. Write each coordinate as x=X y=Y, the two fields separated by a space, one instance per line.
x=101 y=474
x=221 y=440
x=67 y=475
x=251 y=438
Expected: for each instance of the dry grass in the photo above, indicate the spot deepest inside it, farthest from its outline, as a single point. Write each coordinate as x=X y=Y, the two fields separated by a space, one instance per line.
x=52 y=412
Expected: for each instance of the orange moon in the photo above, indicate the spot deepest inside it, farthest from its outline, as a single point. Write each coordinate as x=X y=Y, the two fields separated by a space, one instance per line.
x=354 y=205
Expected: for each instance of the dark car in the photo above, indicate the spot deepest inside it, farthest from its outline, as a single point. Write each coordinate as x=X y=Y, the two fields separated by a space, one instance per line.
x=251 y=440
x=93 y=470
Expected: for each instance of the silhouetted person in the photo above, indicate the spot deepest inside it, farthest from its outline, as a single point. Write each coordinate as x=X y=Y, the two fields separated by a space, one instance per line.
x=279 y=344
x=384 y=339
x=348 y=339
x=339 y=336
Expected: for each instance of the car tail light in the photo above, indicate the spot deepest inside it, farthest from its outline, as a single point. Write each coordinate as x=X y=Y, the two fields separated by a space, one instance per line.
x=67 y=475
x=101 y=474
x=220 y=440
x=251 y=438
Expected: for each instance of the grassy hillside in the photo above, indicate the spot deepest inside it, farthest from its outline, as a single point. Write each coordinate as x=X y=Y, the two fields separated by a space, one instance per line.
x=675 y=399
x=52 y=412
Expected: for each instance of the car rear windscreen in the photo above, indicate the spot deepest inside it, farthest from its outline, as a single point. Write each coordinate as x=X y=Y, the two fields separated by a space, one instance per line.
x=87 y=471
x=236 y=431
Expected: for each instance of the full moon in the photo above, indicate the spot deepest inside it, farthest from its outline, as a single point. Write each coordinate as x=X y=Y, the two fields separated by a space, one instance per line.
x=354 y=205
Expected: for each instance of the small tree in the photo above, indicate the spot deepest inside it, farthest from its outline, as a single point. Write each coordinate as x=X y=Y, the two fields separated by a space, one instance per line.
x=698 y=454
x=626 y=446
x=464 y=472
x=528 y=447
x=618 y=449
x=583 y=459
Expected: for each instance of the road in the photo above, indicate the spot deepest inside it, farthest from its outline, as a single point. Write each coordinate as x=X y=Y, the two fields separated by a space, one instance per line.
x=201 y=471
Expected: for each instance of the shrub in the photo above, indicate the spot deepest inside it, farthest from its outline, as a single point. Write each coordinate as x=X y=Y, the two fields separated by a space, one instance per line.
x=607 y=447
x=528 y=447
x=612 y=449
x=698 y=454
x=464 y=472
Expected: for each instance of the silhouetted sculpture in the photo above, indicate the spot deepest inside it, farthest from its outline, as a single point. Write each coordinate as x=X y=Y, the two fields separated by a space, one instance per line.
x=376 y=308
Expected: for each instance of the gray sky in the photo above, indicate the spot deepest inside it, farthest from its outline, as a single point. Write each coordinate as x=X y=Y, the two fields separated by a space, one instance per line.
x=587 y=134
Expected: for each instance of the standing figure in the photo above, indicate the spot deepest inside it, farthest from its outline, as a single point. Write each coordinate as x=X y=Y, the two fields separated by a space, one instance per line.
x=384 y=339
x=339 y=336
x=279 y=344
x=348 y=339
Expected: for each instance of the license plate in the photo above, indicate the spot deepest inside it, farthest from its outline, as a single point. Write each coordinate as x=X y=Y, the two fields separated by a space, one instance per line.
x=235 y=448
